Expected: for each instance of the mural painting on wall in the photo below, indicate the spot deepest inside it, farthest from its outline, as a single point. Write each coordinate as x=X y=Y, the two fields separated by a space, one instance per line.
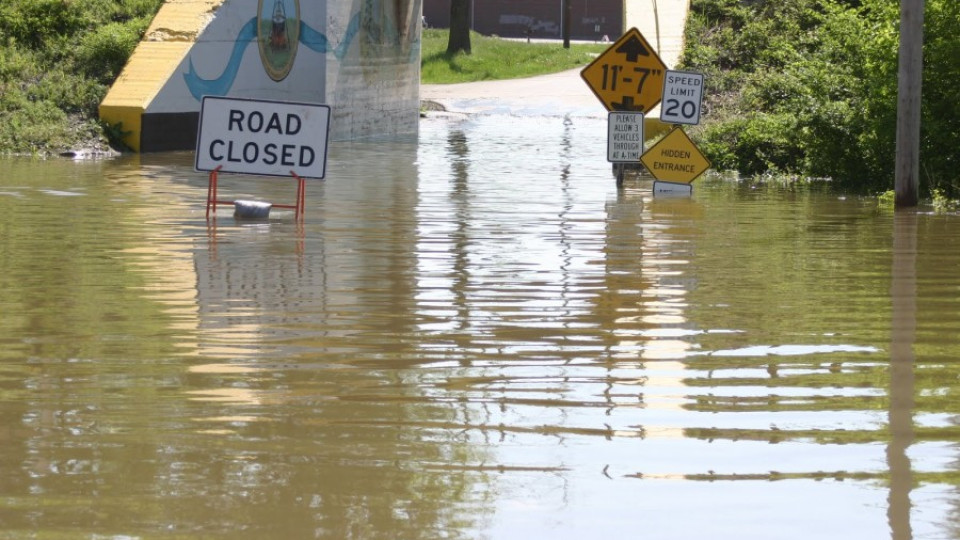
x=388 y=29
x=390 y=23
x=385 y=28
x=278 y=34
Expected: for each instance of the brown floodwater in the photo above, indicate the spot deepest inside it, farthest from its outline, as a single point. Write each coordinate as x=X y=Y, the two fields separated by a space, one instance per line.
x=471 y=335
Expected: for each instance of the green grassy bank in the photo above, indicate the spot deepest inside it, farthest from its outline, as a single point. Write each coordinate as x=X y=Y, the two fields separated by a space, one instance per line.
x=57 y=61
x=497 y=59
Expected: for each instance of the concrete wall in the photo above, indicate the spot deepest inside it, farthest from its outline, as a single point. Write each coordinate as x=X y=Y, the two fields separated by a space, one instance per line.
x=361 y=57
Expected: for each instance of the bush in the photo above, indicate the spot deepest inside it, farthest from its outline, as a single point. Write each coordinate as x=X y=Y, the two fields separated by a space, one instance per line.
x=810 y=86
x=33 y=127
x=105 y=51
x=57 y=59
x=33 y=23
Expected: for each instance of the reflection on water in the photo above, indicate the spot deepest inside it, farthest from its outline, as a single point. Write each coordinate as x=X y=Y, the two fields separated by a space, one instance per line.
x=471 y=335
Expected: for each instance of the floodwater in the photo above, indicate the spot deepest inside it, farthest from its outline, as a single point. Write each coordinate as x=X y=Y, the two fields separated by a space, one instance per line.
x=473 y=335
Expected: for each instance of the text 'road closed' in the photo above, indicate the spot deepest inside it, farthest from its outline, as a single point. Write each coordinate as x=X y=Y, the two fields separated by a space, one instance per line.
x=263 y=137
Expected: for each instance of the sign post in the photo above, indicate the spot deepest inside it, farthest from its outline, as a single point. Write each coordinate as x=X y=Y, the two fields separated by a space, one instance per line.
x=267 y=138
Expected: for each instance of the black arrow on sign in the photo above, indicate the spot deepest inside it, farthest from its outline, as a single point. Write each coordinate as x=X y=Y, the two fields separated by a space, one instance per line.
x=633 y=48
x=626 y=104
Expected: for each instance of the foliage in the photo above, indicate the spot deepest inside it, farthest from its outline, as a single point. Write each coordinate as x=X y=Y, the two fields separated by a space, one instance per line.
x=942 y=203
x=57 y=59
x=887 y=199
x=809 y=87
x=494 y=58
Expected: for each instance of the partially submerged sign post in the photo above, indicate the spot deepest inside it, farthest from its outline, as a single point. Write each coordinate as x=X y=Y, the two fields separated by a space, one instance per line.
x=630 y=79
x=675 y=159
x=268 y=138
x=626 y=78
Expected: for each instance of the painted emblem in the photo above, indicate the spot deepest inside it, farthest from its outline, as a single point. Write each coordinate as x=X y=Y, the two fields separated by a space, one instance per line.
x=278 y=33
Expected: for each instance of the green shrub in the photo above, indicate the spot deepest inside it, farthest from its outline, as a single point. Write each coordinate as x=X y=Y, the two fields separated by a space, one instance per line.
x=810 y=86
x=33 y=128
x=104 y=51
x=33 y=23
x=57 y=59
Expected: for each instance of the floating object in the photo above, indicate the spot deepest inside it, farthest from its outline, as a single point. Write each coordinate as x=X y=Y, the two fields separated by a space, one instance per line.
x=251 y=209
x=254 y=208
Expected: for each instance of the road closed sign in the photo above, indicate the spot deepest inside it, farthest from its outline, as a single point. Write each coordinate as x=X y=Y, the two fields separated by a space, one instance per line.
x=270 y=138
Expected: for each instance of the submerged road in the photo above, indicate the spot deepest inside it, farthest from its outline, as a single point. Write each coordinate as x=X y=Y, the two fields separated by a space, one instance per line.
x=661 y=22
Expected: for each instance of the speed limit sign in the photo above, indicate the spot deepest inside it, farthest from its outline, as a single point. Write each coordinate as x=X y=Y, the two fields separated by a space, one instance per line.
x=682 y=98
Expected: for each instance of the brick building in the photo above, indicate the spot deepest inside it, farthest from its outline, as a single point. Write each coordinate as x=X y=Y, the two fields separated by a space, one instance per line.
x=590 y=19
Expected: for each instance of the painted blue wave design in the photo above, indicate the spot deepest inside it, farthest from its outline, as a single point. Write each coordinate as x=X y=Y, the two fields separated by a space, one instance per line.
x=318 y=42
x=220 y=86
x=312 y=39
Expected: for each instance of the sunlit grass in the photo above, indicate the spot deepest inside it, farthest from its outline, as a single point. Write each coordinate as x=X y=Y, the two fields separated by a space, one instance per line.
x=494 y=58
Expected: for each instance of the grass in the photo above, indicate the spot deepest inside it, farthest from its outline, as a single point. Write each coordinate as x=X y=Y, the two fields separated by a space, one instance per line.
x=57 y=61
x=494 y=58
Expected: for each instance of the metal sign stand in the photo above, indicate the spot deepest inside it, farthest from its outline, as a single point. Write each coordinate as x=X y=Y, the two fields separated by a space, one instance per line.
x=298 y=207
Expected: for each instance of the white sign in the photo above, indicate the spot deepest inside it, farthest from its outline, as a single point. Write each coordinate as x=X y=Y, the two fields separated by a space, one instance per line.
x=271 y=138
x=682 y=98
x=624 y=137
x=671 y=189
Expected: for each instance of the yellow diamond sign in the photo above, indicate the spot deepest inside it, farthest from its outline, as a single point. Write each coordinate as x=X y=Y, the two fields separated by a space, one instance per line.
x=628 y=76
x=675 y=159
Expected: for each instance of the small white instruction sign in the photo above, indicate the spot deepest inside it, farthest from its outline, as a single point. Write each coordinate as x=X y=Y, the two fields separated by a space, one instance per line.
x=624 y=137
x=682 y=98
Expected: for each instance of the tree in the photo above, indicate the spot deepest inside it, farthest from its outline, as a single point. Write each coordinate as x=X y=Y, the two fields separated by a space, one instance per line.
x=459 y=27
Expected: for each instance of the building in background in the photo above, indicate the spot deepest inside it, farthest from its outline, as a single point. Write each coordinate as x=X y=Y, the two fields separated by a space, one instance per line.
x=590 y=19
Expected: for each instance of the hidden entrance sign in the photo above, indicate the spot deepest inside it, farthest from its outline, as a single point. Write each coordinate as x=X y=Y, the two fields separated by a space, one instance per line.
x=628 y=76
x=675 y=159
x=270 y=138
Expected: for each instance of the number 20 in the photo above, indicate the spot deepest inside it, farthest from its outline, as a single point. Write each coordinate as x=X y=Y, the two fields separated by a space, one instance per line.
x=687 y=109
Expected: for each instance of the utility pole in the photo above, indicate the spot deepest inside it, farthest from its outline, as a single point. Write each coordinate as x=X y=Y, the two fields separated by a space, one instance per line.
x=567 y=10
x=909 y=92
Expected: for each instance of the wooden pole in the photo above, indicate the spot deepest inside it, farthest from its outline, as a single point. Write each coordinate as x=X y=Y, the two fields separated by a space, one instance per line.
x=656 y=19
x=907 y=186
x=565 y=22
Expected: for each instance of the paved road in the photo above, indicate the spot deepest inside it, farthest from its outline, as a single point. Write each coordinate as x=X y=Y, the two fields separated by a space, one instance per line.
x=565 y=93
